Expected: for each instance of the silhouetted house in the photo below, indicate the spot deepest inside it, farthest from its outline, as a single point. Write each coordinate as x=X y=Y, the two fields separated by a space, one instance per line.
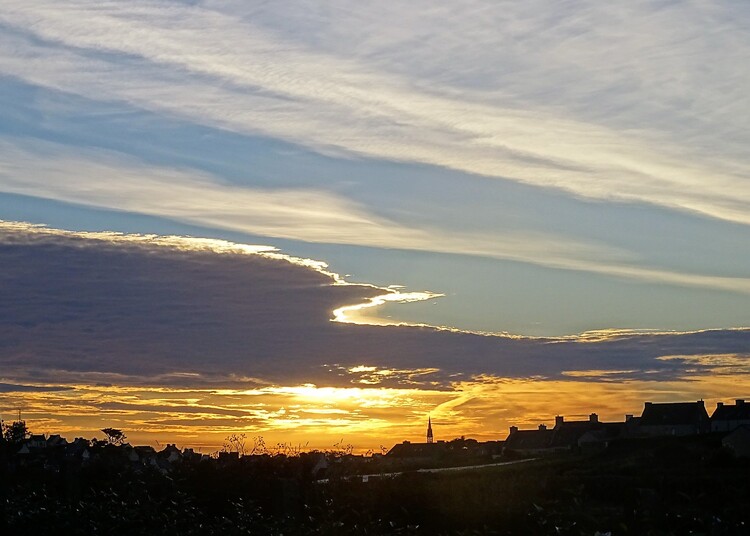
x=190 y=455
x=33 y=447
x=673 y=419
x=589 y=434
x=631 y=425
x=596 y=435
x=600 y=437
x=75 y=450
x=565 y=436
x=738 y=441
x=171 y=454
x=529 y=442
x=449 y=451
x=490 y=448
x=37 y=441
x=727 y=418
x=418 y=451
x=56 y=441
x=146 y=452
x=110 y=454
x=144 y=455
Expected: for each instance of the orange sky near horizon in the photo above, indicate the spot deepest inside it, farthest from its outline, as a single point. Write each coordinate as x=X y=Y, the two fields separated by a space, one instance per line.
x=368 y=418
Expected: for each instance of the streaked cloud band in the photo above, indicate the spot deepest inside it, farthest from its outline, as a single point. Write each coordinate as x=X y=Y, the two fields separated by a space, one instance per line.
x=113 y=181
x=210 y=67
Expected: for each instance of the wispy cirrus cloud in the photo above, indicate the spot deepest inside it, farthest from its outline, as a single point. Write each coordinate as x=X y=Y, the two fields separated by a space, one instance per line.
x=211 y=65
x=115 y=181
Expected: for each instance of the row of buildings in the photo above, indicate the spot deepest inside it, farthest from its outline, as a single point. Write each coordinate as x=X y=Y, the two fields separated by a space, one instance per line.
x=656 y=420
x=54 y=451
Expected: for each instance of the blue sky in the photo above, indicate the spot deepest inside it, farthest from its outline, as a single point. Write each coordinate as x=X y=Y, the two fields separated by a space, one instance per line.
x=549 y=168
x=571 y=177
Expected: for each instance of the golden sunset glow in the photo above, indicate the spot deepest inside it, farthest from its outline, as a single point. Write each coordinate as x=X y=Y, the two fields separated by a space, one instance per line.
x=366 y=417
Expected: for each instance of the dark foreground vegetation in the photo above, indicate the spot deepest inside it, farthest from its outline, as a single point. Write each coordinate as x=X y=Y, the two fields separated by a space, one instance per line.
x=635 y=487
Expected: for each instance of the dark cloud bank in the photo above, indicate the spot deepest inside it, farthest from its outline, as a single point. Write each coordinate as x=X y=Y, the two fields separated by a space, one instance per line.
x=109 y=310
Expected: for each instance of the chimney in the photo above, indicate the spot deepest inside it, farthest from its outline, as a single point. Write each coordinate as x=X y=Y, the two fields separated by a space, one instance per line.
x=559 y=420
x=740 y=402
x=628 y=417
x=701 y=403
x=542 y=427
x=513 y=429
x=593 y=417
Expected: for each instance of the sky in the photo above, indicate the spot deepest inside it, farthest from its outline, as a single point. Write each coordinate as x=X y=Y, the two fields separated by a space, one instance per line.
x=324 y=220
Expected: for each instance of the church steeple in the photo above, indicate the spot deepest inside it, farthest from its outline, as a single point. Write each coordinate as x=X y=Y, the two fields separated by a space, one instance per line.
x=429 y=429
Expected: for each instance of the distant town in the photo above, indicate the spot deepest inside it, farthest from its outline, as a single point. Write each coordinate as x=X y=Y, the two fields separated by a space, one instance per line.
x=19 y=447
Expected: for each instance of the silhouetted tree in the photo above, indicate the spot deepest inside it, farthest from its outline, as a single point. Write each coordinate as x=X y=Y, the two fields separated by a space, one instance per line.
x=235 y=443
x=114 y=436
x=340 y=449
x=16 y=432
